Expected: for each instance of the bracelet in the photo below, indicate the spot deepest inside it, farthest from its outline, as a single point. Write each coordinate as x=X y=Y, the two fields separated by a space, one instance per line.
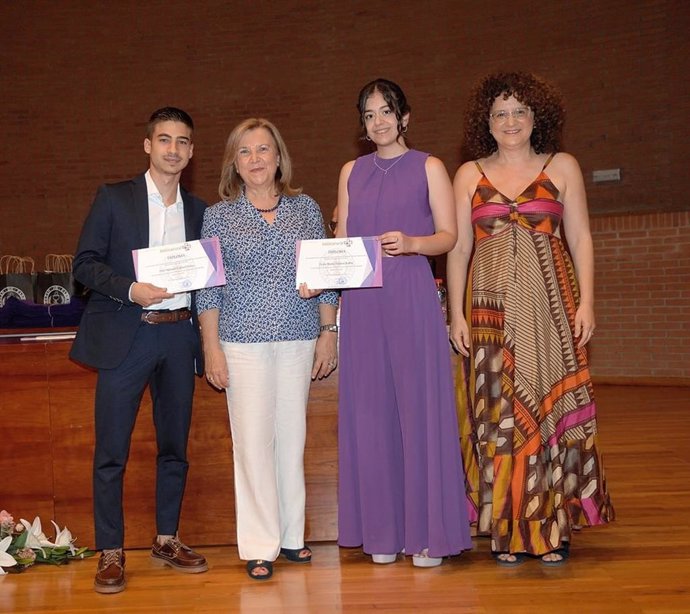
x=331 y=328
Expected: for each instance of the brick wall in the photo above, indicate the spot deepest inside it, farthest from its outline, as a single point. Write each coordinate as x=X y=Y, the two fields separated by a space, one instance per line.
x=79 y=79
x=642 y=298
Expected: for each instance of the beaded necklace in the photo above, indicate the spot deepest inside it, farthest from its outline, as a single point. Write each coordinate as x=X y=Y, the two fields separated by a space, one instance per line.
x=272 y=209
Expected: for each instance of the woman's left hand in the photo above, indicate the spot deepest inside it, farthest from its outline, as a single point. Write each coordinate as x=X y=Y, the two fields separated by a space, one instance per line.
x=395 y=243
x=325 y=355
x=584 y=324
x=305 y=292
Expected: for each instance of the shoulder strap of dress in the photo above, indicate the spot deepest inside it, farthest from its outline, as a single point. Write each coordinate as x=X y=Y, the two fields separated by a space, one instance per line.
x=479 y=166
x=548 y=160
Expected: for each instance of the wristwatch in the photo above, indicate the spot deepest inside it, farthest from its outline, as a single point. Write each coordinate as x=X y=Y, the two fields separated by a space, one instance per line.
x=331 y=328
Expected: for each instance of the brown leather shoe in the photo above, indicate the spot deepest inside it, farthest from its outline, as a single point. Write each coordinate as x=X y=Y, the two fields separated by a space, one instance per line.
x=178 y=556
x=110 y=576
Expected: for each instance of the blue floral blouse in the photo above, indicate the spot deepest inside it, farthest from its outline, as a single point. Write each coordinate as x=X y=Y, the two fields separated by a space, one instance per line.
x=259 y=302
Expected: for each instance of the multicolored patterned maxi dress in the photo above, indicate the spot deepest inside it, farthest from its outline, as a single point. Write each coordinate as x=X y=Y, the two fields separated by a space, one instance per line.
x=529 y=441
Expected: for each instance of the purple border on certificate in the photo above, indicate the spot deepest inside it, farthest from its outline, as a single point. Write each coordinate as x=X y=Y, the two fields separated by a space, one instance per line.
x=373 y=247
x=212 y=248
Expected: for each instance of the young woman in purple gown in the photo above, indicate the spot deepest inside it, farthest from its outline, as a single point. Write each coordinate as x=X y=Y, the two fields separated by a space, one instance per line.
x=401 y=487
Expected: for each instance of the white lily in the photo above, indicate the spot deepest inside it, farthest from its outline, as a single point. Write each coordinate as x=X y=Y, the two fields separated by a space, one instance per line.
x=36 y=538
x=63 y=538
x=6 y=560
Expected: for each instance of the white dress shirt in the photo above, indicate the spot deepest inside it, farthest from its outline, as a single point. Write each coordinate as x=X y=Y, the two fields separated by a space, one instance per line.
x=166 y=226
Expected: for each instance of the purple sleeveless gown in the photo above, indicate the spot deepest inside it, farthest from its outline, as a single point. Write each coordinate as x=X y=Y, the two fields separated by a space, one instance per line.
x=401 y=479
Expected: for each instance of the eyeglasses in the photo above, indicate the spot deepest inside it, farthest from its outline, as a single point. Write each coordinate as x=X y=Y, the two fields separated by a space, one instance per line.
x=520 y=114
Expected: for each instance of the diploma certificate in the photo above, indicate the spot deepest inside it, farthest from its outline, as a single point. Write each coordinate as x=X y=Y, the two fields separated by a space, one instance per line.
x=352 y=262
x=181 y=267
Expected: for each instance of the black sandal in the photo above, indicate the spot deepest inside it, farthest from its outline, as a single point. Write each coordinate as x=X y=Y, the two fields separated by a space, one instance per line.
x=502 y=560
x=563 y=552
x=294 y=555
x=258 y=564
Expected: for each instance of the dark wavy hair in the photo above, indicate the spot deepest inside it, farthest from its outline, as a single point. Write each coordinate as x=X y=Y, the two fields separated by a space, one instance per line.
x=393 y=95
x=541 y=96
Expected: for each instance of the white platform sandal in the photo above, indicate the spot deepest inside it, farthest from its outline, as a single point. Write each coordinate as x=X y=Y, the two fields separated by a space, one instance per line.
x=424 y=560
x=384 y=559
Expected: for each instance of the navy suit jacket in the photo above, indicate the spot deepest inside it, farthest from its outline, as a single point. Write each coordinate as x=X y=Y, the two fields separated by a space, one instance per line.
x=118 y=223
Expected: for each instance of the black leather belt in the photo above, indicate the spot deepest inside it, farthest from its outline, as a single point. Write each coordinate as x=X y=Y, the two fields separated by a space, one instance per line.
x=165 y=317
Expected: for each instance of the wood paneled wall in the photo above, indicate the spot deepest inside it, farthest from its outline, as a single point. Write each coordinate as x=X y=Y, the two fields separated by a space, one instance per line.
x=46 y=407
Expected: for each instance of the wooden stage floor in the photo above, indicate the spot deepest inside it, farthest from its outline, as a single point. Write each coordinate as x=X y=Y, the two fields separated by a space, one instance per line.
x=640 y=563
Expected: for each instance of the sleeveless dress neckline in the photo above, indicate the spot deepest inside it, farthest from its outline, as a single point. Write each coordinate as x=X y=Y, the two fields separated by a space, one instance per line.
x=539 y=178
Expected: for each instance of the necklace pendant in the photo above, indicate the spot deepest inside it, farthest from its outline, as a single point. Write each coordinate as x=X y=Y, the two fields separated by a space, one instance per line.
x=390 y=166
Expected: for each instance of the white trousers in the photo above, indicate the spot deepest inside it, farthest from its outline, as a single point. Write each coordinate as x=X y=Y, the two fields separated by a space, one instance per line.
x=267 y=404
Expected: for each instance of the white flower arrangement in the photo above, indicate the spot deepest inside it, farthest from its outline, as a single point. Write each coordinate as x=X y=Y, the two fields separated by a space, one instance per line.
x=22 y=544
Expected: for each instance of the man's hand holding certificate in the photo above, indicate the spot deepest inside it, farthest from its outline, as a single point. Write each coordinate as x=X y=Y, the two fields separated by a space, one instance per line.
x=351 y=262
x=181 y=267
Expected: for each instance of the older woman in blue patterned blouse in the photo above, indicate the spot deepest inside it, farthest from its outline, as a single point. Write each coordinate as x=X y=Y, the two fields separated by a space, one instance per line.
x=264 y=341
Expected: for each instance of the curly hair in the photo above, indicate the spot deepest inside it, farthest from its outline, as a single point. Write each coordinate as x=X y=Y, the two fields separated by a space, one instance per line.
x=532 y=91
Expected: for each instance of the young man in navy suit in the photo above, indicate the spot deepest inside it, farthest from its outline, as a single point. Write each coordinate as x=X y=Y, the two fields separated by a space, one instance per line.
x=137 y=334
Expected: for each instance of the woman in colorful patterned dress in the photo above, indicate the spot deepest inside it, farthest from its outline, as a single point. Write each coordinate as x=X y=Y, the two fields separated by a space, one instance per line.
x=528 y=423
x=401 y=480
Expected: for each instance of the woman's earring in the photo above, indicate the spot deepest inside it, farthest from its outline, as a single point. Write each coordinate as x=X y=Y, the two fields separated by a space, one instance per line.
x=367 y=137
x=404 y=130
